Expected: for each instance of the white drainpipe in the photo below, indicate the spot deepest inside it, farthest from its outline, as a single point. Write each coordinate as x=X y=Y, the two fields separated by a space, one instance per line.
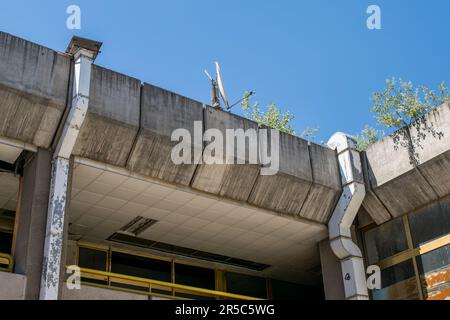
x=60 y=174
x=344 y=214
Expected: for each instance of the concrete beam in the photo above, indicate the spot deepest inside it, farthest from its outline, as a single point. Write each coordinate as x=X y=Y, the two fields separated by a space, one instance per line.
x=287 y=190
x=396 y=185
x=162 y=113
x=112 y=120
x=228 y=180
x=326 y=187
x=33 y=90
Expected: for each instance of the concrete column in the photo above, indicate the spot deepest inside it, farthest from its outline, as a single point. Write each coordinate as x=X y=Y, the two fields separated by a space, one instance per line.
x=331 y=272
x=84 y=52
x=32 y=218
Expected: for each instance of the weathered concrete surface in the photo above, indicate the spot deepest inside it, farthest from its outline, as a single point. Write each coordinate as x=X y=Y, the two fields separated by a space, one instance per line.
x=396 y=186
x=331 y=272
x=33 y=90
x=94 y=293
x=287 y=190
x=112 y=121
x=228 y=180
x=326 y=187
x=162 y=113
x=436 y=160
x=32 y=221
x=12 y=286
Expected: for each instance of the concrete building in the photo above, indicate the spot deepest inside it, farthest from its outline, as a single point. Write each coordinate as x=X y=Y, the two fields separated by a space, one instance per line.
x=87 y=180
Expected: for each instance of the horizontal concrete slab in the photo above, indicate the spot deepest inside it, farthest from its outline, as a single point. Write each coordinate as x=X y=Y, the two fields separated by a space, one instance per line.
x=112 y=121
x=397 y=185
x=287 y=190
x=163 y=112
x=33 y=90
x=234 y=181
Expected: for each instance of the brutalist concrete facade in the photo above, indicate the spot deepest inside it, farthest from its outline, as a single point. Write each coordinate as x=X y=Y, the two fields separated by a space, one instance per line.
x=129 y=123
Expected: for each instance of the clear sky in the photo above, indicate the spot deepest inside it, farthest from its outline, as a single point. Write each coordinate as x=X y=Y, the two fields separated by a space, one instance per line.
x=315 y=58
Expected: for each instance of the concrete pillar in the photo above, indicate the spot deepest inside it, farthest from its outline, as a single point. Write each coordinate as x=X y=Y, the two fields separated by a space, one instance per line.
x=32 y=218
x=331 y=272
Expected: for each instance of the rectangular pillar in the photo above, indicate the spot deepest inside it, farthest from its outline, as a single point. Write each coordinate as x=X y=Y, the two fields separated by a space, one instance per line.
x=32 y=220
x=331 y=272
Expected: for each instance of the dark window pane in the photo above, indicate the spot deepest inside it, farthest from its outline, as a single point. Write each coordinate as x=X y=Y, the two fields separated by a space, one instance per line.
x=246 y=285
x=141 y=267
x=385 y=241
x=430 y=223
x=5 y=242
x=195 y=276
x=282 y=290
x=92 y=259
x=398 y=283
x=434 y=268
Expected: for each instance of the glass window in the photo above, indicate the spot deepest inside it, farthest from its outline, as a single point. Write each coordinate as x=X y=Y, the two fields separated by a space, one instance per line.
x=398 y=283
x=92 y=259
x=141 y=267
x=194 y=277
x=434 y=269
x=385 y=241
x=430 y=223
x=5 y=242
x=246 y=285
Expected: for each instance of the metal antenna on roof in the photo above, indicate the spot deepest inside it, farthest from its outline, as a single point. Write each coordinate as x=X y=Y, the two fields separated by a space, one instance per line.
x=218 y=90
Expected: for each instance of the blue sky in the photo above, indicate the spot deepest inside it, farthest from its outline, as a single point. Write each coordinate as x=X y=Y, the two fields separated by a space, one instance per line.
x=315 y=58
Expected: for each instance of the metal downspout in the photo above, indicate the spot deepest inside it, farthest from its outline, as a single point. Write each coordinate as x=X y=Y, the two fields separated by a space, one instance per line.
x=83 y=55
x=339 y=226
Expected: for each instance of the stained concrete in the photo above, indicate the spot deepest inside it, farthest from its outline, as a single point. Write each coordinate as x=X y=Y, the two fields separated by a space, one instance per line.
x=112 y=120
x=331 y=272
x=32 y=221
x=326 y=187
x=12 y=286
x=287 y=190
x=162 y=113
x=228 y=180
x=33 y=90
x=397 y=186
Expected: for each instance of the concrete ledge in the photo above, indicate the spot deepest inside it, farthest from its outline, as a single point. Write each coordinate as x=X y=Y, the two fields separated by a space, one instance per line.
x=395 y=186
x=228 y=180
x=162 y=113
x=33 y=90
x=287 y=190
x=12 y=286
x=326 y=189
x=95 y=293
x=112 y=121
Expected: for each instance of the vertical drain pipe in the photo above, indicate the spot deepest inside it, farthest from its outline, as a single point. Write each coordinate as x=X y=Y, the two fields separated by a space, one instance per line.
x=339 y=226
x=84 y=53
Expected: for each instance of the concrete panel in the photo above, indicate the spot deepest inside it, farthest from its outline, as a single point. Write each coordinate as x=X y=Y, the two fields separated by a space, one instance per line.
x=94 y=293
x=434 y=157
x=373 y=206
x=326 y=188
x=331 y=272
x=33 y=90
x=162 y=113
x=32 y=221
x=405 y=193
x=234 y=181
x=112 y=121
x=396 y=184
x=12 y=286
x=287 y=190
